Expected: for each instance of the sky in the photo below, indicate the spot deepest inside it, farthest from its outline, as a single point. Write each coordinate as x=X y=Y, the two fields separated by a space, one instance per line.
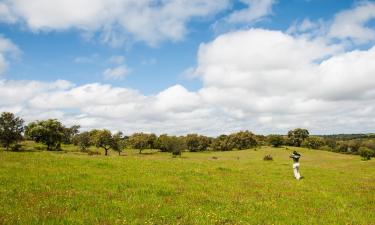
x=191 y=66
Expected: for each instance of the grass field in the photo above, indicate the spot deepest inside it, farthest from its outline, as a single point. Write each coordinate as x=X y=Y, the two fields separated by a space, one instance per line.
x=200 y=188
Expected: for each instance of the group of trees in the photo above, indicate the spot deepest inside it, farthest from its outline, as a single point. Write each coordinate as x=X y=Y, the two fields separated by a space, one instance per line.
x=53 y=133
x=359 y=144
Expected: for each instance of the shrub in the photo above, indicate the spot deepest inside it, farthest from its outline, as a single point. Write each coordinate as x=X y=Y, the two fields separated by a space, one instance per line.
x=267 y=158
x=313 y=142
x=366 y=153
x=275 y=140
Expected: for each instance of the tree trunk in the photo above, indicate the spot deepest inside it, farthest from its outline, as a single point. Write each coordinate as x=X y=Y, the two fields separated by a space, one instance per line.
x=119 y=153
x=140 y=151
x=106 y=151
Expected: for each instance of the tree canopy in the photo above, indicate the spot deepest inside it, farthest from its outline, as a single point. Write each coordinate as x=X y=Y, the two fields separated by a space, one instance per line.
x=11 y=128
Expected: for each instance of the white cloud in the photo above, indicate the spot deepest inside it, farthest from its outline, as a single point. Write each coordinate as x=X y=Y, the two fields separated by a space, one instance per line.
x=256 y=9
x=116 y=73
x=5 y=14
x=348 y=26
x=351 y=24
x=6 y=48
x=262 y=80
x=295 y=81
x=116 y=20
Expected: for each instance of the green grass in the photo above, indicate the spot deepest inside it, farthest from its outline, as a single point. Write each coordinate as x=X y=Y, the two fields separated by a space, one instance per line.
x=236 y=188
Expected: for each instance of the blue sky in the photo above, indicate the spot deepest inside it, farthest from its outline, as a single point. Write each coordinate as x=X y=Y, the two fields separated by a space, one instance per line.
x=50 y=55
x=158 y=48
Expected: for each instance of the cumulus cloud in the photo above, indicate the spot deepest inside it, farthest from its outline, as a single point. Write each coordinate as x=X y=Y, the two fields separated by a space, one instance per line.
x=116 y=73
x=117 y=20
x=262 y=80
x=351 y=24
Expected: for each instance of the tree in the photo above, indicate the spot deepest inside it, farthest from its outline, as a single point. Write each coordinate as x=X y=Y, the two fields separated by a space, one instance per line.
x=275 y=140
x=83 y=140
x=195 y=142
x=297 y=136
x=69 y=133
x=104 y=139
x=11 y=129
x=366 y=153
x=313 y=142
x=161 y=142
x=118 y=142
x=142 y=141
x=221 y=143
x=242 y=140
x=49 y=132
x=176 y=145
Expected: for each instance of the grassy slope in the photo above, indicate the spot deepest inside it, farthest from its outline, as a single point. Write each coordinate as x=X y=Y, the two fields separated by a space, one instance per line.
x=237 y=188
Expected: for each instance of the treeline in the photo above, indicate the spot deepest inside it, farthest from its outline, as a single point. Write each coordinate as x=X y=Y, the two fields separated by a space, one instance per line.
x=53 y=133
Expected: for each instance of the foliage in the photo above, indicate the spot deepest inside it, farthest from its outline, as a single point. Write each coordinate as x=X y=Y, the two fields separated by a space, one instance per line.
x=297 y=136
x=49 y=132
x=143 y=141
x=366 y=153
x=172 y=144
x=69 y=133
x=313 y=142
x=104 y=139
x=197 y=143
x=11 y=128
x=119 y=142
x=240 y=140
x=221 y=143
x=275 y=140
x=83 y=140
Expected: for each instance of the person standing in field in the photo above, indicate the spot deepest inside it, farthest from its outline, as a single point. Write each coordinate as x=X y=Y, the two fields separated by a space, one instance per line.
x=295 y=156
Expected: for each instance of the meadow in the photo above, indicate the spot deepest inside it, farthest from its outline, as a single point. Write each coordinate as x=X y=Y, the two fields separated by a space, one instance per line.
x=234 y=187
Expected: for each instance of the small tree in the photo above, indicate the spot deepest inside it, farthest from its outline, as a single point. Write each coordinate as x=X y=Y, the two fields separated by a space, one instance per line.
x=69 y=133
x=11 y=129
x=104 y=139
x=161 y=142
x=49 y=132
x=118 y=142
x=313 y=142
x=297 y=136
x=242 y=140
x=220 y=143
x=142 y=141
x=366 y=153
x=275 y=140
x=83 y=140
x=197 y=143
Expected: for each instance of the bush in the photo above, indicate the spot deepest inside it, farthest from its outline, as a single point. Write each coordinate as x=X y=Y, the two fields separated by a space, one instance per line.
x=267 y=158
x=366 y=153
x=313 y=142
x=240 y=140
x=275 y=140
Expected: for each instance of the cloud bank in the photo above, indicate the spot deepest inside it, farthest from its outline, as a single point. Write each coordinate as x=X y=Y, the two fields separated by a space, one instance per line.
x=263 y=80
